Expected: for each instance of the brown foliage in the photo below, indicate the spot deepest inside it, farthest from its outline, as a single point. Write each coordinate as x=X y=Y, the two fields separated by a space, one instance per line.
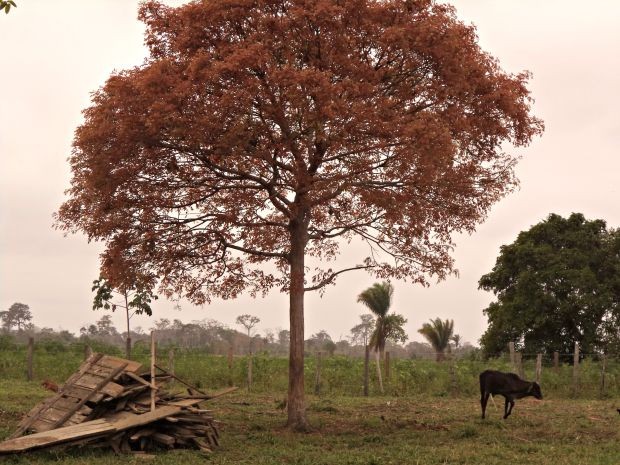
x=269 y=130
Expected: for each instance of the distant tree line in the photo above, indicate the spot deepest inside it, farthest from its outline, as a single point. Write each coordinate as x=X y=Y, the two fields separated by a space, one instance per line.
x=210 y=335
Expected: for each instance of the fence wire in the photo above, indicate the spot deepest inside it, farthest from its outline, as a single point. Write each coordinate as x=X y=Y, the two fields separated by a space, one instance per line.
x=339 y=375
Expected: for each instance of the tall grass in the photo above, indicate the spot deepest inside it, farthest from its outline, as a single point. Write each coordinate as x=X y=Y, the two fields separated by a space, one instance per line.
x=339 y=375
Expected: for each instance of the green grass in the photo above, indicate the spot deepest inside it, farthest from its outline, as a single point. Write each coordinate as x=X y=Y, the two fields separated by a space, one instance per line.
x=376 y=430
x=340 y=376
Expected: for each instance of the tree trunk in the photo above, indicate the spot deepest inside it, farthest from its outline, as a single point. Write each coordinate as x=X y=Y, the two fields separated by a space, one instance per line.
x=379 y=371
x=128 y=341
x=296 y=404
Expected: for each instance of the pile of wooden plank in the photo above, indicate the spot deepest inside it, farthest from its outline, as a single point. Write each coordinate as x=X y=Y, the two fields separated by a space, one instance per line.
x=108 y=402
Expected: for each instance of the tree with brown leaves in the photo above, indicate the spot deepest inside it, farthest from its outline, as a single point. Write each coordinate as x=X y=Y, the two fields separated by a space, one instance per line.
x=269 y=131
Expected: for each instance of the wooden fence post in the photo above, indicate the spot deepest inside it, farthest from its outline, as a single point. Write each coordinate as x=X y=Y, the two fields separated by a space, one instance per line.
x=230 y=366
x=171 y=364
x=366 y=369
x=249 y=371
x=603 y=370
x=576 y=369
x=317 y=380
x=513 y=358
x=453 y=382
x=519 y=361
x=88 y=352
x=387 y=366
x=153 y=386
x=556 y=362
x=30 y=369
x=538 y=367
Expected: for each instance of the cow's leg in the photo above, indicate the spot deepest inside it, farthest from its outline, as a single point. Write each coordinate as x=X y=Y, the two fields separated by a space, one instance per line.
x=484 y=398
x=512 y=404
x=508 y=406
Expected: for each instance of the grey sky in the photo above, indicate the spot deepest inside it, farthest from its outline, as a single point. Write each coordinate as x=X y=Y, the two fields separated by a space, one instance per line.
x=55 y=54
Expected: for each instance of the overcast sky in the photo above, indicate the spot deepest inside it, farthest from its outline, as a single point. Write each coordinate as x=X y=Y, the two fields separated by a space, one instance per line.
x=55 y=53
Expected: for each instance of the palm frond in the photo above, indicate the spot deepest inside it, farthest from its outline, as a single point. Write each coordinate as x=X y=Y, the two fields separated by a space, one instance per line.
x=438 y=333
x=378 y=298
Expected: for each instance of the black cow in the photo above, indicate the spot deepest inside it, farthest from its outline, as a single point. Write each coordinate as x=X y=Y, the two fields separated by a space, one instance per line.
x=508 y=385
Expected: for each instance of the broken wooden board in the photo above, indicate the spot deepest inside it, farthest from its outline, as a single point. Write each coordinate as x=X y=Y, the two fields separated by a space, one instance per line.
x=114 y=423
x=56 y=436
x=92 y=382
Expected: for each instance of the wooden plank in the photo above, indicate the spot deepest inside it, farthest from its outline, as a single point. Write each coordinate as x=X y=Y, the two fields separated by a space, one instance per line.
x=66 y=403
x=114 y=362
x=57 y=436
x=53 y=414
x=99 y=370
x=34 y=413
x=139 y=379
x=142 y=433
x=110 y=388
x=103 y=383
x=126 y=420
x=180 y=380
x=80 y=393
x=163 y=438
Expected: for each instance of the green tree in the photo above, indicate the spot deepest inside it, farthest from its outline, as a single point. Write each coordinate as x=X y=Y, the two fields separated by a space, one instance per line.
x=439 y=334
x=558 y=283
x=360 y=334
x=378 y=299
x=18 y=315
x=248 y=322
x=135 y=300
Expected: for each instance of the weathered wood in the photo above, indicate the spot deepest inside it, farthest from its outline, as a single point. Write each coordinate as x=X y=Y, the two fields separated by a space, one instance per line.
x=139 y=379
x=519 y=361
x=53 y=414
x=171 y=363
x=57 y=436
x=91 y=383
x=113 y=362
x=153 y=385
x=34 y=413
x=556 y=361
x=603 y=373
x=99 y=387
x=317 y=380
x=181 y=381
x=230 y=366
x=366 y=370
x=576 y=369
x=538 y=368
x=513 y=358
x=80 y=393
x=250 y=371
x=30 y=369
x=163 y=438
x=142 y=433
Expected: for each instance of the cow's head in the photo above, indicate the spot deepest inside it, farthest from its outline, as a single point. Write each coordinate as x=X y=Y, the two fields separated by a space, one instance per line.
x=535 y=391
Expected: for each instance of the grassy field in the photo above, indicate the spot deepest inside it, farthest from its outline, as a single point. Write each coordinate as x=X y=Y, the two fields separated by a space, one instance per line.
x=372 y=431
x=340 y=375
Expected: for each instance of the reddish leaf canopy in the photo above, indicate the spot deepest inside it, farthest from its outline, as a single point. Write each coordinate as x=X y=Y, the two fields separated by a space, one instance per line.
x=377 y=119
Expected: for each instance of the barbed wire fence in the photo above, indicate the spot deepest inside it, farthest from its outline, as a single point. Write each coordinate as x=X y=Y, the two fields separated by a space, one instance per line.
x=563 y=375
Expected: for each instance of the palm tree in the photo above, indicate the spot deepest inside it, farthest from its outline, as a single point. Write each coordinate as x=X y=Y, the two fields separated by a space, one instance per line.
x=438 y=333
x=378 y=299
